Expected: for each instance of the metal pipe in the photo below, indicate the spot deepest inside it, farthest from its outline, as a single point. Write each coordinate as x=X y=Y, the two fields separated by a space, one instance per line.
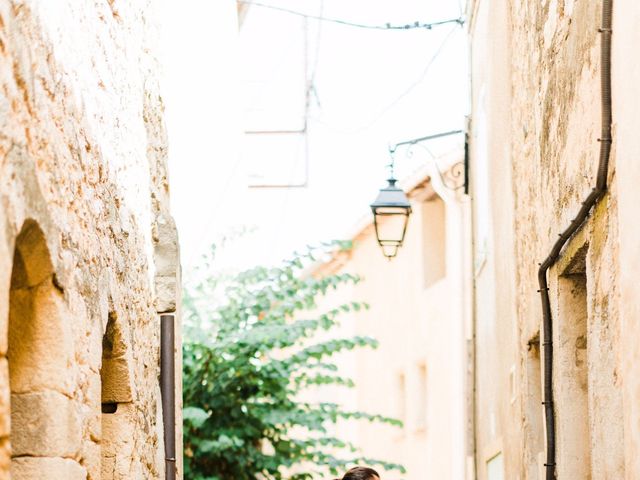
x=168 y=392
x=592 y=199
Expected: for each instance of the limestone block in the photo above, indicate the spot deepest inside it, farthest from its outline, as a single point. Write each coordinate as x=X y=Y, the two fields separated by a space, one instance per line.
x=107 y=467
x=166 y=258
x=5 y=408
x=91 y=459
x=38 y=468
x=94 y=345
x=166 y=293
x=91 y=406
x=5 y=458
x=116 y=381
x=40 y=345
x=45 y=424
x=165 y=245
x=4 y=307
x=118 y=431
x=118 y=443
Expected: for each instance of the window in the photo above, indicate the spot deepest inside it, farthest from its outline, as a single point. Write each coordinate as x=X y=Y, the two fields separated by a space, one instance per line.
x=433 y=240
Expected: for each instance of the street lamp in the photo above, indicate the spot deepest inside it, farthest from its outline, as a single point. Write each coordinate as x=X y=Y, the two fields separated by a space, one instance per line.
x=391 y=210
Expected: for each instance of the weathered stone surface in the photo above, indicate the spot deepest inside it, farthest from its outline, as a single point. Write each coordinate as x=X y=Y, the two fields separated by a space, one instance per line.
x=92 y=409
x=5 y=458
x=627 y=172
x=166 y=289
x=115 y=371
x=536 y=72
x=82 y=180
x=5 y=407
x=39 y=468
x=116 y=380
x=166 y=258
x=35 y=264
x=91 y=459
x=45 y=424
x=40 y=343
x=118 y=443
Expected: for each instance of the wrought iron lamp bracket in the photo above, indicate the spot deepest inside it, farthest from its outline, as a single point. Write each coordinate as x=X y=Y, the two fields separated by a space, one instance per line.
x=455 y=178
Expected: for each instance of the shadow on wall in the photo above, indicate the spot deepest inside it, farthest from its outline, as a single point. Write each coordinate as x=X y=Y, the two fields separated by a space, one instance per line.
x=45 y=430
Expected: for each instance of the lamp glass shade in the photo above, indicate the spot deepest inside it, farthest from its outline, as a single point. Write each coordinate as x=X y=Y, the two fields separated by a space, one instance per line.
x=390 y=227
x=391 y=211
x=390 y=251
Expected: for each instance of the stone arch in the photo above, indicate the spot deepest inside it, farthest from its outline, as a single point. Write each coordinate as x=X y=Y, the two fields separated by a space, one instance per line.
x=45 y=428
x=115 y=374
x=116 y=444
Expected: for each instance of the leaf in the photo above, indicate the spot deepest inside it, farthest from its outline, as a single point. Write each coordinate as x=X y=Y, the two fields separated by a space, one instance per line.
x=196 y=416
x=251 y=348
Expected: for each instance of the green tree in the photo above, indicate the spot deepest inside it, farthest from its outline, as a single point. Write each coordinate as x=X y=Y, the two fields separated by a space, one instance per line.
x=248 y=353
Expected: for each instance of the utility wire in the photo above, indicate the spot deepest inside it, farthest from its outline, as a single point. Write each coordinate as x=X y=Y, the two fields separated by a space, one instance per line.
x=216 y=206
x=311 y=82
x=392 y=104
x=388 y=26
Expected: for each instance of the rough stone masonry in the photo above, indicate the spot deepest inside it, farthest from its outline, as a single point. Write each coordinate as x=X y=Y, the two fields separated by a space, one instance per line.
x=88 y=249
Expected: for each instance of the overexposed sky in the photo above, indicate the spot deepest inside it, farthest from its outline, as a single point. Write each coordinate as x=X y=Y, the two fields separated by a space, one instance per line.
x=371 y=88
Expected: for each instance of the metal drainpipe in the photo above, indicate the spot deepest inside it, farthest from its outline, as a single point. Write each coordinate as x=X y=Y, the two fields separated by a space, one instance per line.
x=168 y=392
x=592 y=199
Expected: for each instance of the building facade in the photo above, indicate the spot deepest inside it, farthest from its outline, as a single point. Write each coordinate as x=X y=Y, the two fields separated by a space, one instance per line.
x=88 y=250
x=550 y=388
x=535 y=143
x=419 y=314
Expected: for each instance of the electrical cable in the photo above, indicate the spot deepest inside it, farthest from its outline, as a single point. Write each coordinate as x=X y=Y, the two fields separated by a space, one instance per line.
x=388 y=26
x=400 y=97
x=311 y=86
x=216 y=206
x=309 y=90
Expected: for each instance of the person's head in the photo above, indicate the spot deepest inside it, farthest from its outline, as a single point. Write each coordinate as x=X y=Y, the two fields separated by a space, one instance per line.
x=361 y=473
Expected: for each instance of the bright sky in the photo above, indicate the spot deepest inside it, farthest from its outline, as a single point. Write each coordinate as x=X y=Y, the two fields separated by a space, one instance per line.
x=371 y=88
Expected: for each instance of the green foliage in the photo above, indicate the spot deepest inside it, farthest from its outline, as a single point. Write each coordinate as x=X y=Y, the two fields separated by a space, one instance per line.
x=248 y=354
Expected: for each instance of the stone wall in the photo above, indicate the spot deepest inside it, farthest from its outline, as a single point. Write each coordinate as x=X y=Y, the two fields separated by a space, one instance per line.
x=88 y=250
x=536 y=89
x=555 y=130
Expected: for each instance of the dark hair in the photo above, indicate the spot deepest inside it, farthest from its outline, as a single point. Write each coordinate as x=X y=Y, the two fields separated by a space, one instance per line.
x=361 y=473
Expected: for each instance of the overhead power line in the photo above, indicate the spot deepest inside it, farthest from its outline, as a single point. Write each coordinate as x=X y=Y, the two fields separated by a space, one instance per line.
x=398 y=99
x=388 y=26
